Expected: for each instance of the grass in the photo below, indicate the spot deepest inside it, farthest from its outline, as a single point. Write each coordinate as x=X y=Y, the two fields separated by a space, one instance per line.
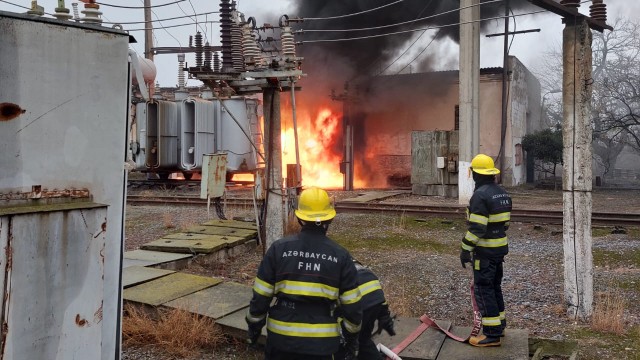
x=611 y=258
x=608 y=313
x=177 y=332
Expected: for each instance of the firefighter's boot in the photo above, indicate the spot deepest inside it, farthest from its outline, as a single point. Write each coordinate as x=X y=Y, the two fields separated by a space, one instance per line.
x=484 y=341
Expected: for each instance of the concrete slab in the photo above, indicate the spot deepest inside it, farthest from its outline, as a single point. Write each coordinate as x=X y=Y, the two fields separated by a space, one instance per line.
x=426 y=346
x=186 y=236
x=232 y=224
x=374 y=195
x=216 y=301
x=167 y=288
x=203 y=246
x=235 y=325
x=154 y=256
x=515 y=346
x=216 y=230
x=129 y=263
x=135 y=275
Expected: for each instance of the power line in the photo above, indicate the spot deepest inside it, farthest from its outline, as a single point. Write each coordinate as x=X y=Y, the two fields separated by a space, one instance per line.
x=398 y=24
x=194 y=20
x=140 y=7
x=169 y=27
x=423 y=50
x=167 y=19
x=354 y=14
x=414 y=30
x=161 y=26
x=410 y=46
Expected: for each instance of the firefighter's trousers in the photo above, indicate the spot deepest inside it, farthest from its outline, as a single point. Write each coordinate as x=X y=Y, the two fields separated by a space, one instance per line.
x=487 y=278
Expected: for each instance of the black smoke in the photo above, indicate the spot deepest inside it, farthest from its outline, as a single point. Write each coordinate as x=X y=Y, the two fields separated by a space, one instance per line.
x=364 y=55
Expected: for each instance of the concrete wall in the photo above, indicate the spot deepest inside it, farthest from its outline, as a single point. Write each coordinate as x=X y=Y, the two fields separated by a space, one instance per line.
x=72 y=81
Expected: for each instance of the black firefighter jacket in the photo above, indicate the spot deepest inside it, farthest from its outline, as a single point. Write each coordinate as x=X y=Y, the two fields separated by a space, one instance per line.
x=308 y=274
x=489 y=213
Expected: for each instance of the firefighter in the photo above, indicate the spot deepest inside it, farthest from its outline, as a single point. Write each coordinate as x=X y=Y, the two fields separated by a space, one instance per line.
x=374 y=308
x=308 y=274
x=485 y=246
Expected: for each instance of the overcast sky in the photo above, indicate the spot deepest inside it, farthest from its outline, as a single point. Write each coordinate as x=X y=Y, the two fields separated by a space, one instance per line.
x=529 y=48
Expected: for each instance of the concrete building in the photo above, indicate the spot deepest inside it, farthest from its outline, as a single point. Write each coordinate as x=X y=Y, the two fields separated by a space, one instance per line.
x=391 y=108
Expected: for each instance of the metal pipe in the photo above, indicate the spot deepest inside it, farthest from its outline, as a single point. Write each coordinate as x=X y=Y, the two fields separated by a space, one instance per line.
x=295 y=132
x=505 y=100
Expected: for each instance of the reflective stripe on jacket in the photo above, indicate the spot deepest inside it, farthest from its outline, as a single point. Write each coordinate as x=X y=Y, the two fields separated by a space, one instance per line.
x=308 y=274
x=489 y=213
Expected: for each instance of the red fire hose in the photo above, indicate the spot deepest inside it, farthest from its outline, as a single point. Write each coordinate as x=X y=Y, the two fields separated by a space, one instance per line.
x=426 y=322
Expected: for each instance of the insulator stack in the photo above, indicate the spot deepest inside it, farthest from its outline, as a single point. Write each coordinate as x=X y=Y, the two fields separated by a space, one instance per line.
x=288 y=46
x=225 y=33
x=207 y=56
x=570 y=3
x=598 y=10
x=216 y=61
x=236 y=40
x=252 y=53
x=198 y=49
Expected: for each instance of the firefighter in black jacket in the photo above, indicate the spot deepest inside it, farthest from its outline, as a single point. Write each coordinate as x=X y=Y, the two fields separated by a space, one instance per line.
x=308 y=274
x=374 y=308
x=486 y=243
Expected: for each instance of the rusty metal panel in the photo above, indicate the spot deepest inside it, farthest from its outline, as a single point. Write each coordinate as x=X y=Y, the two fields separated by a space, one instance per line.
x=214 y=175
x=55 y=290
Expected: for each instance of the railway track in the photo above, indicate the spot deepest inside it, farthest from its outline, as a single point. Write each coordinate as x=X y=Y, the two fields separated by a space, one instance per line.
x=438 y=211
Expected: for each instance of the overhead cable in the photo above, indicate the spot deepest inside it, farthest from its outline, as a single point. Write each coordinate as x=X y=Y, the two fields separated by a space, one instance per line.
x=410 y=46
x=140 y=7
x=171 y=26
x=397 y=24
x=354 y=14
x=167 y=19
x=194 y=20
x=413 y=30
x=421 y=52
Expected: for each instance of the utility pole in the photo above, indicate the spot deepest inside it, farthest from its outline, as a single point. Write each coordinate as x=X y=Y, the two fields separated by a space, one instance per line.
x=469 y=80
x=346 y=165
x=148 y=39
x=577 y=174
x=274 y=222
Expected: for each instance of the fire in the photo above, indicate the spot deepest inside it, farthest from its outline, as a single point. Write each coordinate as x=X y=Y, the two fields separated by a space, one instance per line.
x=319 y=141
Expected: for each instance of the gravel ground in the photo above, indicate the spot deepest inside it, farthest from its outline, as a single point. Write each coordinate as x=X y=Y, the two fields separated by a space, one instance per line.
x=418 y=264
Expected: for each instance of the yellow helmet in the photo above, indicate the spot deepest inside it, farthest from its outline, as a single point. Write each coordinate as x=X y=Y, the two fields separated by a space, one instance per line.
x=314 y=205
x=483 y=164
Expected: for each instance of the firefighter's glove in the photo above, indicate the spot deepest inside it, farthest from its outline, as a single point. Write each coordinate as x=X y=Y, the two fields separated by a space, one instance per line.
x=351 y=346
x=465 y=257
x=254 y=331
x=385 y=321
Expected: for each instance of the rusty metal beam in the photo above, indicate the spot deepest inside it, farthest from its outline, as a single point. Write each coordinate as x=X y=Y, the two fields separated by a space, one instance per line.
x=567 y=12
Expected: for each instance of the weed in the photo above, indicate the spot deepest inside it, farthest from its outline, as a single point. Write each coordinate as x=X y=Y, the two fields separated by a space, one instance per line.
x=168 y=221
x=608 y=314
x=600 y=232
x=611 y=258
x=177 y=332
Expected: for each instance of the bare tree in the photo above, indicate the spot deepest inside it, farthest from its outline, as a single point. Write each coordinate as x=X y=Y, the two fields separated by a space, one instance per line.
x=616 y=90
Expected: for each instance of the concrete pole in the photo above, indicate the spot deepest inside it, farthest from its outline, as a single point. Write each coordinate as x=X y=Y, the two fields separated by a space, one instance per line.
x=148 y=40
x=577 y=172
x=469 y=80
x=348 y=140
x=274 y=222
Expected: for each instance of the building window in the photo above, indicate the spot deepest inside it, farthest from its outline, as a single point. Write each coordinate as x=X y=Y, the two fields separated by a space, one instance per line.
x=456 y=120
x=518 y=154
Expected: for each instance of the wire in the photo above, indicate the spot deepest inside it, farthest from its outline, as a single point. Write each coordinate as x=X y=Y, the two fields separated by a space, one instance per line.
x=354 y=14
x=401 y=23
x=20 y=6
x=423 y=50
x=410 y=46
x=413 y=30
x=167 y=19
x=140 y=7
x=194 y=20
x=170 y=26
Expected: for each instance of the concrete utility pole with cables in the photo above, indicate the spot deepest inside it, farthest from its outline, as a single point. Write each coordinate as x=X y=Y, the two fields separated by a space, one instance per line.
x=577 y=155
x=469 y=78
x=148 y=39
